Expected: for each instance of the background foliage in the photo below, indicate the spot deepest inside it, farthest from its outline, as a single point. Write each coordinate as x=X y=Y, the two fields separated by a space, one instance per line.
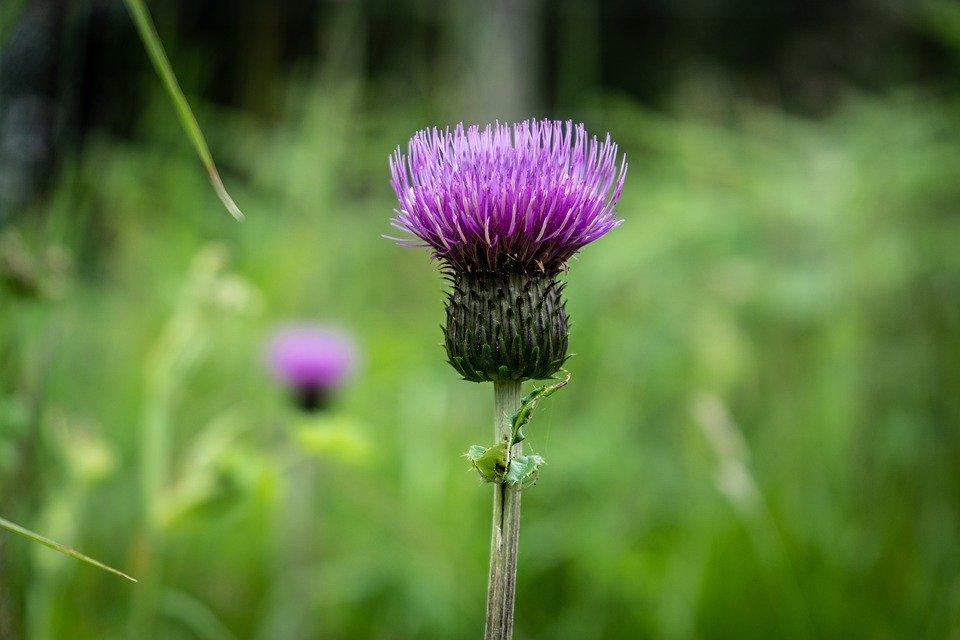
x=762 y=433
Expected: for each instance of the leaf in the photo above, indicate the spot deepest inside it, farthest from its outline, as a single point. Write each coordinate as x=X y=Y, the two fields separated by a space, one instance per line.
x=151 y=42
x=524 y=469
x=475 y=452
x=56 y=546
x=491 y=462
x=529 y=403
x=336 y=438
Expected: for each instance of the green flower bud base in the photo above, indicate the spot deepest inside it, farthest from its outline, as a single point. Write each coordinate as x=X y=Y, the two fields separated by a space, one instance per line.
x=502 y=327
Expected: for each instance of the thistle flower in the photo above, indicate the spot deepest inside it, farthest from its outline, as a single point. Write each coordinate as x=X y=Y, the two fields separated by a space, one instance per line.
x=522 y=198
x=312 y=361
x=504 y=208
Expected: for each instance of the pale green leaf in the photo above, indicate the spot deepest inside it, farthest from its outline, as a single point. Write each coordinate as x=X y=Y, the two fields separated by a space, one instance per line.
x=491 y=462
x=524 y=469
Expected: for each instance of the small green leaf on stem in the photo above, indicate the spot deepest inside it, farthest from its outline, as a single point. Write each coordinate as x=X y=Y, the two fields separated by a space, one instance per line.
x=524 y=469
x=494 y=464
x=151 y=41
x=475 y=452
x=529 y=403
x=56 y=546
x=491 y=462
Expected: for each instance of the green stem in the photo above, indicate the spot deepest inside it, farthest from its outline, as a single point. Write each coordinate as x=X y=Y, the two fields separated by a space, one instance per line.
x=501 y=588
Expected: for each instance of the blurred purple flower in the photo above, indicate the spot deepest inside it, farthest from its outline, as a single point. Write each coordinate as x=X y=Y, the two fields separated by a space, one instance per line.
x=519 y=198
x=312 y=360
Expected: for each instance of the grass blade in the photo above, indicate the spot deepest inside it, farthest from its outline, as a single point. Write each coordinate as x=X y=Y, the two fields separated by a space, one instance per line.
x=151 y=41
x=56 y=546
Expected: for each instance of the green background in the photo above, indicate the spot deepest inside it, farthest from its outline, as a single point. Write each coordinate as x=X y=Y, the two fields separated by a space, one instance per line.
x=761 y=438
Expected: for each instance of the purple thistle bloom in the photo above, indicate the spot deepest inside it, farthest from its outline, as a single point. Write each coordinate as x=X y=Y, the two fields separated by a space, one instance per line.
x=515 y=198
x=312 y=360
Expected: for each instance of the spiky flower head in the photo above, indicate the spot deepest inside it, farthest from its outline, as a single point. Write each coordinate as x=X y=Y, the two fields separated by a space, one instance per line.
x=504 y=207
x=521 y=198
x=312 y=360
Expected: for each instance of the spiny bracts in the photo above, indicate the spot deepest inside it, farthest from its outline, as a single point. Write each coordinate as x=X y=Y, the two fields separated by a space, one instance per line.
x=505 y=326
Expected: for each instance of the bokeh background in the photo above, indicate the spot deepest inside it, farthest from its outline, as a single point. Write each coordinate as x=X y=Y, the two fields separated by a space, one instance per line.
x=762 y=434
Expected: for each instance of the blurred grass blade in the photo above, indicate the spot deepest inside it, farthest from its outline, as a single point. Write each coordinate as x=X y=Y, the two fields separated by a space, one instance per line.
x=195 y=615
x=36 y=537
x=151 y=40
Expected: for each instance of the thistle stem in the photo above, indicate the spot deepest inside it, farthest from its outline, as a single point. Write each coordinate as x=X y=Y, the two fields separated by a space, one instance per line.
x=501 y=588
